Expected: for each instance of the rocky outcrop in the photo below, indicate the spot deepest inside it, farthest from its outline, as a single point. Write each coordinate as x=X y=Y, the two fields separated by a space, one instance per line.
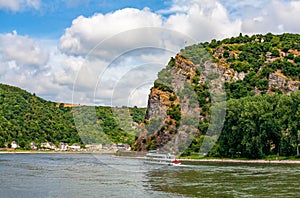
x=158 y=103
x=184 y=66
x=277 y=81
x=167 y=104
x=181 y=84
x=230 y=75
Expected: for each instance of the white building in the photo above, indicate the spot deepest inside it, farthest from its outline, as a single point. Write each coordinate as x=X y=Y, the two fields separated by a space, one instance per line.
x=14 y=145
x=75 y=147
x=48 y=145
x=33 y=145
x=63 y=146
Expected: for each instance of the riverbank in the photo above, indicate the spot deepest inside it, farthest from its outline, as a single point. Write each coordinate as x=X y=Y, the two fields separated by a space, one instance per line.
x=138 y=155
x=238 y=161
x=54 y=152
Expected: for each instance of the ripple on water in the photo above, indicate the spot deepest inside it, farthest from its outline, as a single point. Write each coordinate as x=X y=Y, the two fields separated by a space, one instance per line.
x=82 y=175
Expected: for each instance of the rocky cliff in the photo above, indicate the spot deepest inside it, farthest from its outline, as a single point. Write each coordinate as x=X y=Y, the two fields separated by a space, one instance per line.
x=179 y=105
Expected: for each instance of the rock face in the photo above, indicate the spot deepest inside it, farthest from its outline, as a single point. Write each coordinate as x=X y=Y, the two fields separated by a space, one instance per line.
x=178 y=89
x=167 y=104
x=173 y=111
x=276 y=81
x=184 y=66
x=230 y=75
x=159 y=100
x=280 y=82
x=158 y=103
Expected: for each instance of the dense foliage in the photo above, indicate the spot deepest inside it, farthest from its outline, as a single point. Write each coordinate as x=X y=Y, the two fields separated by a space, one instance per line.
x=255 y=126
x=257 y=56
x=25 y=118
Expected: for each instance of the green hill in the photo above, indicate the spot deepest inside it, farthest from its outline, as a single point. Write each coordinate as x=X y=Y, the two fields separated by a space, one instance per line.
x=257 y=75
x=25 y=117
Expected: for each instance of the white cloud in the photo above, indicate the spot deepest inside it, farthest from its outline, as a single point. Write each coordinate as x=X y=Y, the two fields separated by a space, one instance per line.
x=3 y=68
x=22 y=49
x=244 y=9
x=18 y=5
x=86 y=33
x=276 y=17
x=99 y=82
x=35 y=82
x=204 y=20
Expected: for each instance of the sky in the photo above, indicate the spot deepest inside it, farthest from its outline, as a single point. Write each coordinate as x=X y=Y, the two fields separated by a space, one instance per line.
x=104 y=52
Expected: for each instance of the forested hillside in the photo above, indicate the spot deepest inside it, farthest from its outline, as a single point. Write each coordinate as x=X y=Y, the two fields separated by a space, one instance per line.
x=253 y=65
x=259 y=75
x=260 y=126
x=25 y=117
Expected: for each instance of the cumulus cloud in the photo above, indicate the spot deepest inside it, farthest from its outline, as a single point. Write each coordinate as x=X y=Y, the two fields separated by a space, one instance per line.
x=276 y=17
x=133 y=86
x=23 y=50
x=103 y=83
x=28 y=79
x=86 y=33
x=3 y=68
x=19 y=5
x=203 y=20
x=129 y=76
x=244 y=9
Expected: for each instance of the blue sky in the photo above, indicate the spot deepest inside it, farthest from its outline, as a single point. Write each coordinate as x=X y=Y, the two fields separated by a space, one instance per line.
x=63 y=50
x=54 y=16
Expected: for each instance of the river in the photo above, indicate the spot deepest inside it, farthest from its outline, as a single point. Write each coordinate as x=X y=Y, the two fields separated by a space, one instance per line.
x=96 y=175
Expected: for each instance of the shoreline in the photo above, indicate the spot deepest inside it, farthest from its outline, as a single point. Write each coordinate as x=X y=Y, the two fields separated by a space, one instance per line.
x=185 y=160
x=57 y=152
x=237 y=161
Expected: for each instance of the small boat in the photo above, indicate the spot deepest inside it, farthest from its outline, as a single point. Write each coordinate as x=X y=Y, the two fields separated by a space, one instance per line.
x=154 y=157
x=176 y=162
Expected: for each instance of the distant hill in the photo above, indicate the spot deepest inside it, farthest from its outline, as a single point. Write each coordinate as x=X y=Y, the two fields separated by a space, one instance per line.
x=25 y=117
x=258 y=75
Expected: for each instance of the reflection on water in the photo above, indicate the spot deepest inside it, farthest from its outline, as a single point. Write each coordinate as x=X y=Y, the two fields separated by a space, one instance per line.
x=84 y=175
x=72 y=175
x=224 y=180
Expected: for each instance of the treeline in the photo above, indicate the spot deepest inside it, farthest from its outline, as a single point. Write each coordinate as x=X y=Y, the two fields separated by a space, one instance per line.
x=256 y=127
x=25 y=118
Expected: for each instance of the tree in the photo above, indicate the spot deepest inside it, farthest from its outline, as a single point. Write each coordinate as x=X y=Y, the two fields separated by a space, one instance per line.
x=275 y=53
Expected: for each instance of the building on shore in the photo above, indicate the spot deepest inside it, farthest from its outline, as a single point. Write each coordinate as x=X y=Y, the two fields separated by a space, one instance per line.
x=63 y=146
x=48 y=145
x=75 y=147
x=93 y=147
x=14 y=145
x=33 y=146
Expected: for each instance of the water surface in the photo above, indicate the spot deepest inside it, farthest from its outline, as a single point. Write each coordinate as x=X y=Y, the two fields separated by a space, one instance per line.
x=86 y=175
